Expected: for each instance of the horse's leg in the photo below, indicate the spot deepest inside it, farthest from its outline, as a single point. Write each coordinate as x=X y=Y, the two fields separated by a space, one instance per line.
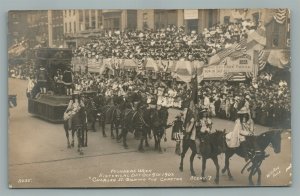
x=250 y=177
x=228 y=154
x=124 y=135
x=141 y=148
x=67 y=135
x=103 y=127
x=193 y=148
x=185 y=147
x=146 y=142
x=73 y=133
x=94 y=124
x=79 y=140
x=117 y=130
x=112 y=130
x=155 y=139
x=216 y=162
x=203 y=169
x=86 y=136
x=259 y=177
x=159 y=141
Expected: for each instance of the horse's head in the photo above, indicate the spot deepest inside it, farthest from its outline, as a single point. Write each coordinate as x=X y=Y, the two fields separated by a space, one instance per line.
x=220 y=140
x=276 y=140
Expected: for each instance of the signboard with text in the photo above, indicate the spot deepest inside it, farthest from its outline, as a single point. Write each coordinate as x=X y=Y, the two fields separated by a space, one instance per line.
x=242 y=64
x=190 y=14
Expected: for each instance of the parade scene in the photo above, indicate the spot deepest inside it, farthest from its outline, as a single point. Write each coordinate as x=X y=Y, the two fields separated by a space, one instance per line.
x=149 y=98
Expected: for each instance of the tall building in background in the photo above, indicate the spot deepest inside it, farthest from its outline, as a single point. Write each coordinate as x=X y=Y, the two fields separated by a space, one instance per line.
x=39 y=27
x=80 y=24
x=17 y=27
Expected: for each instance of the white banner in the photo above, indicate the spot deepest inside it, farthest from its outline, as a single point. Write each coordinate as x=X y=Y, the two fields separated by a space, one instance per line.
x=242 y=64
x=190 y=14
x=213 y=71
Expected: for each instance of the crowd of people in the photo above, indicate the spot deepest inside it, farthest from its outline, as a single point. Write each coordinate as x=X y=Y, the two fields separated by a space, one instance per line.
x=171 y=43
x=269 y=99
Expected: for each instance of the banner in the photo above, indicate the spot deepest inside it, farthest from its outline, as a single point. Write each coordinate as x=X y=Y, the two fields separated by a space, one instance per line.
x=213 y=71
x=190 y=14
x=242 y=64
x=152 y=65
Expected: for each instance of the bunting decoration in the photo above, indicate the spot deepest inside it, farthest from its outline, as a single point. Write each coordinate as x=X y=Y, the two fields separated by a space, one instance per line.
x=280 y=15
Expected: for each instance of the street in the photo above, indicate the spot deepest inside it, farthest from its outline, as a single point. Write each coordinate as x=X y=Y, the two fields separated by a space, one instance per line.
x=39 y=157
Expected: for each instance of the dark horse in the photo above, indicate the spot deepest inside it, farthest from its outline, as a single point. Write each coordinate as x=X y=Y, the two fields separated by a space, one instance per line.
x=134 y=121
x=157 y=121
x=211 y=145
x=91 y=110
x=78 y=125
x=112 y=115
x=251 y=145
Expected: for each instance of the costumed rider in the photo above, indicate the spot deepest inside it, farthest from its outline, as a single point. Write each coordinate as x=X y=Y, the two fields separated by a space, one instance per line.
x=177 y=132
x=58 y=79
x=42 y=80
x=75 y=104
x=203 y=127
x=244 y=126
x=68 y=80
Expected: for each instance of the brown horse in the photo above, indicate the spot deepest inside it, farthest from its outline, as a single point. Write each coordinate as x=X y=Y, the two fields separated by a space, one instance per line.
x=211 y=145
x=249 y=149
x=78 y=126
x=111 y=115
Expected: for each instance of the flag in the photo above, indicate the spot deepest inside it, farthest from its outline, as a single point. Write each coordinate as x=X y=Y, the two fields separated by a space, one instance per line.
x=257 y=39
x=280 y=15
x=235 y=51
x=236 y=77
x=194 y=96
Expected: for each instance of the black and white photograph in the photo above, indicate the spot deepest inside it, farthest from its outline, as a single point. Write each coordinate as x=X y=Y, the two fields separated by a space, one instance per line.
x=117 y=98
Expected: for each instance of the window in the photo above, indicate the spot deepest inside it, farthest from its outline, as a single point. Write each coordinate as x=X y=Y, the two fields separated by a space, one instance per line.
x=66 y=28
x=87 y=19
x=75 y=27
x=99 y=19
x=70 y=27
x=226 y=19
x=93 y=19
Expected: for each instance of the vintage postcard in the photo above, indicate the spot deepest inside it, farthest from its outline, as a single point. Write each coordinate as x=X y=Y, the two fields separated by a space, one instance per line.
x=149 y=98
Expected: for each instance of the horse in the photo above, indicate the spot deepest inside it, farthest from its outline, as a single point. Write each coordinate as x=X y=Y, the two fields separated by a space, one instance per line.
x=157 y=121
x=78 y=126
x=211 y=145
x=91 y=110
x=134 y=121
x=112 y=115
x=251 y=145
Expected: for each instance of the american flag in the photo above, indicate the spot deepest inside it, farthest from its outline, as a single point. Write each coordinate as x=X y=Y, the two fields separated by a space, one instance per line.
x=234 y=76
x=280 y=15
x=235 y=51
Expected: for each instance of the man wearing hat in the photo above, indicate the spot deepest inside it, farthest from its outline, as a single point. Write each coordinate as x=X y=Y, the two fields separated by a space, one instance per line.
x=68 y=80
x=42 y=80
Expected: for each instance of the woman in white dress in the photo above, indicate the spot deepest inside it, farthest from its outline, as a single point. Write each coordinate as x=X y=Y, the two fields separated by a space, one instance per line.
x=244 y=126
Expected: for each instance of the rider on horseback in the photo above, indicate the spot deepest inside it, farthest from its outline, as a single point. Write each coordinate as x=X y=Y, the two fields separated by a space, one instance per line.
x=244 y=126
x=75 y=104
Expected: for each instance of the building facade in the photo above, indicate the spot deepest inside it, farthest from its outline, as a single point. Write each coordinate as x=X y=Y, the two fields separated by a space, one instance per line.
x=17 y=27
x=192 y=20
